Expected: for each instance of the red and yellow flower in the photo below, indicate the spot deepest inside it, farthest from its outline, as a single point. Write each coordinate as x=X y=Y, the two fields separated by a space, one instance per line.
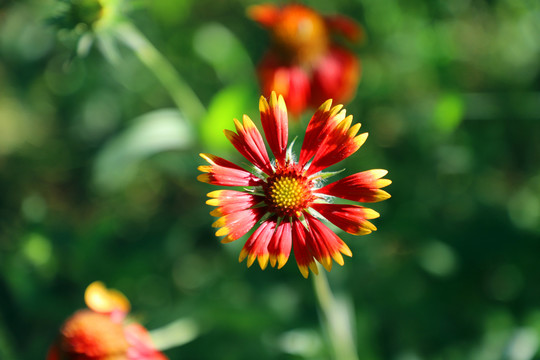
x=287 y=197
x=101 y=332
x=304 y=64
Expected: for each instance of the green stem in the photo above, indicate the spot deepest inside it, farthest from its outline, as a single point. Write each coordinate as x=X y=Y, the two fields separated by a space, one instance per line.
x=182 y=95
x=336 y=319
x=176 y=333
x=6 y=350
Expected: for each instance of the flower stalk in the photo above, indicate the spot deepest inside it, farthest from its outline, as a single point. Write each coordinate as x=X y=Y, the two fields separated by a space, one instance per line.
x=182 y=95
x=336 y=320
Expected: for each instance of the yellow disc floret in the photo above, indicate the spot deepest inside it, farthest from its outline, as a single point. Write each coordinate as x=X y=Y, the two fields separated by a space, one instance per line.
x=288 y=193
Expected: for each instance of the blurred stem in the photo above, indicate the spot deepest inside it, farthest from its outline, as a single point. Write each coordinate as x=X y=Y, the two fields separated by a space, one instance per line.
x=335 y=319
x=6 y=351
x=176 y=333
x=183 y=96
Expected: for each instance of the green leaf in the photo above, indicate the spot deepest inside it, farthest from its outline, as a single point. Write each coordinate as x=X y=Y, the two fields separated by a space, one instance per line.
x=449 y=111
x=152 y=133
x=228 y=104
x=328 y=174
x=218 y=46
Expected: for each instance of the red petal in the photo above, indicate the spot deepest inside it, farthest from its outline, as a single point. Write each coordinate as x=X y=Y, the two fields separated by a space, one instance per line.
x=257 y=245
x=280 y=244
x=302 y=253
x=250 y=144
x=237 y=224
x=291 y=81
x=53 y=353
x=229 y=201
x=141 y=346
x=324 y=244
x=225 y=173
x=362 y=187
x=275 y=125
x=340 y=143
x=323 y=121
x=265 y=14
x=345 y=26
x=92 y=336
x=336 y=76
x=350 y=218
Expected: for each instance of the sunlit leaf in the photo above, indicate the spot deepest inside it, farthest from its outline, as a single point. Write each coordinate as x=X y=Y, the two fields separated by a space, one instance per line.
x=231 y=102
x=220 y=48
x=449 y=112
x=155 y=132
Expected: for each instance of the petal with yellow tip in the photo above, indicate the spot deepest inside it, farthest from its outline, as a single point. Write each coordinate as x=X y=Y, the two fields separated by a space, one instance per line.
x=275 y=125
x=323 y=122
x=225 y=173
x=350 y=218
x=237 y=224
x=304 y=270
x=230 y=201
x=256 y=246
x=361 y=187
x=249 y=142
x=302 y=253
x=102 y=300
x=281 y=243
x=325 y=244
x=337 y=146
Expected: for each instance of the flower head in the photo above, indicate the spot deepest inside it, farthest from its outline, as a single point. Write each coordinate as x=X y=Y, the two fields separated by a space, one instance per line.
x=93 y=334
x=287 y=197
x=100 y=332
x=85 y=14
x=304 y=63
x=86 y=22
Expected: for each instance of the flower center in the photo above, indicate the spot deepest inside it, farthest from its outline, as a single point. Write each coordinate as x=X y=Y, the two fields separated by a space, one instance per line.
x=288 y=194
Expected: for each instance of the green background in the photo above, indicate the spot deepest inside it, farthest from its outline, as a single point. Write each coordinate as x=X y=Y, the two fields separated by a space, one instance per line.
x=98 y=169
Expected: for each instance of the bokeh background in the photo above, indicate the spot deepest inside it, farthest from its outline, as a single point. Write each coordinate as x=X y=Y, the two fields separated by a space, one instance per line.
x=98 y=169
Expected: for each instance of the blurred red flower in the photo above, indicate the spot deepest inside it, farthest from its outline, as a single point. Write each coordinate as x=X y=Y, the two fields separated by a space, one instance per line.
x=101 y=332
x=304 y=64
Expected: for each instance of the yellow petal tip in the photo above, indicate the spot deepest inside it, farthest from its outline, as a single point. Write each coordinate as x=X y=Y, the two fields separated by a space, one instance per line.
x=100 y=299
x=263 y=260
x=223 y=231
x=227 y=239
x=304 y=270
x=382 y=183
x=216 y=212
x=368 y=213
x=263 y=104
x=213 y=202
x=205 y=178
x=214 y=194
x=282 y=260
x=243 y=255
x=325 y=106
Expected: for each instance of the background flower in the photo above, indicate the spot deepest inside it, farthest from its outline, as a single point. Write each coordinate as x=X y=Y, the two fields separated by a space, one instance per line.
x=101 y=333
x=86 y=22
x=304 y=63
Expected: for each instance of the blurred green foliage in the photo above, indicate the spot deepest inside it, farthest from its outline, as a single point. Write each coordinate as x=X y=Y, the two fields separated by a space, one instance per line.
x=98 y=168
